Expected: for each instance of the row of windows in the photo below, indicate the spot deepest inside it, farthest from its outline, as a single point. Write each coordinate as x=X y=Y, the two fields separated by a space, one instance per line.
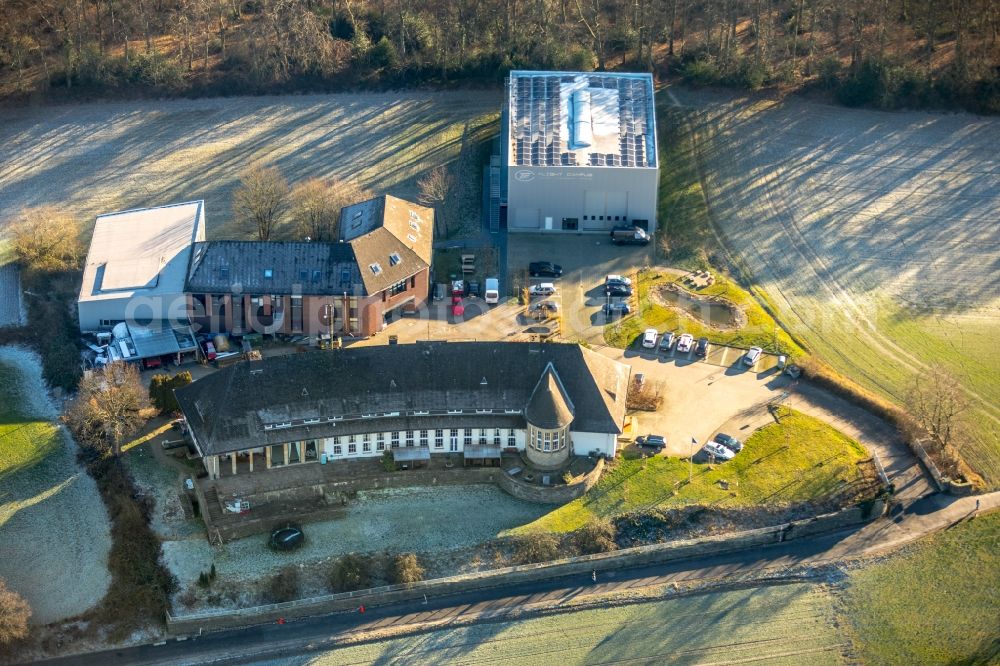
x=617 y=218
x=548 y=440
x=496 y=437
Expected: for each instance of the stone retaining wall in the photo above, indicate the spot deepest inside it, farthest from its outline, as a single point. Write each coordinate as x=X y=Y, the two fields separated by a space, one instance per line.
x=558 y=494
x=622 y=559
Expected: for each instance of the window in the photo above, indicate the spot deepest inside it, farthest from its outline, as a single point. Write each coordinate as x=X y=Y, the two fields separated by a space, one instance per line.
x=394 y=259
x=484 y=411
x=409 y=438
x=511 y=441
x=366 y=443
x=454 y=411
x=317 y=275
x=338 y=450
x=453 y=440
x=395 y=439
x=268 y=273
x=352 y=438
x=418 y=412
x=412 y=238
x=224 y=273
x=439 y=439
x=345 y=275
x=376 y=268
x=297 y=314
x=496 y=437
x=468 y=437
x=303 y=276
x=547 y=442
x=352 y=449
x=380 y=441
x=414 y=225
x=397 y=288
x=423 y=438
x=482 y=436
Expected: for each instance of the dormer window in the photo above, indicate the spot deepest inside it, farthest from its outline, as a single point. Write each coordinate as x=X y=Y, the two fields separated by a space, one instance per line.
x=303 y=275
x=317 y=275
x=414 y=226
x=356 y=220
x=224 y=273
x=394 y=259
x=376 y=268
x=345 y=276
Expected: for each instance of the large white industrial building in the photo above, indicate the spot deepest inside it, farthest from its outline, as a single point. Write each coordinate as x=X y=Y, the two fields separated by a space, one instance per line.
x=579 y=151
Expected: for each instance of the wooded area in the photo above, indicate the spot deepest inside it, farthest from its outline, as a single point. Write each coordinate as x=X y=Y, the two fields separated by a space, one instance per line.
x=878 y=52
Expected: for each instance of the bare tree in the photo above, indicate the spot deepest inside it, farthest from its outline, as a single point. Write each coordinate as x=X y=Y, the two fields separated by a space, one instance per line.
x=111 y=406
x=14 y=615
x=316 y=206
x=434 y=190
x=46 y=239
x=260 y=200
x=936 y=400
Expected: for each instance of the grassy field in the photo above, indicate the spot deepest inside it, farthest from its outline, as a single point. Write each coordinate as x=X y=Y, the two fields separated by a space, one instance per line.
x=934 y=603
x=759 y=329
x=53 y=527
x=798 y=459
x=788 y=624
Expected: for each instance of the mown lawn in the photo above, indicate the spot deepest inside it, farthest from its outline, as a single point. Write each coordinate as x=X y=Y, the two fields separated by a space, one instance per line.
x=935 y=603
x=760 y=328
x=799 y=459
x=23 y=442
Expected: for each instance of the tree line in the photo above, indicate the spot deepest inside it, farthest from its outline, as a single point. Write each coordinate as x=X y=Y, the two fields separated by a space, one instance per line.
x=882 y=52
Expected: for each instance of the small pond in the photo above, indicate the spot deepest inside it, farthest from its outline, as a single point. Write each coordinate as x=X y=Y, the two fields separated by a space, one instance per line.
x=718 y=314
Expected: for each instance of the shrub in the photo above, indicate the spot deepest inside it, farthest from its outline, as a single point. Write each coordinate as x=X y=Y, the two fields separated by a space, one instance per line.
x=535 y=547
x=597 y=536
x=384 y=55
x=283 y=586
x=406 y=569
x=351 y=572
x=387 y=462
x=14 y=615
x=829 y=72
x=161 y=390
x=701 y=72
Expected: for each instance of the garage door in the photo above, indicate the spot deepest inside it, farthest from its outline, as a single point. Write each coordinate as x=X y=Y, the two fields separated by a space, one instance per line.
x=524 y=218
x=593 y=210
x=617 y=205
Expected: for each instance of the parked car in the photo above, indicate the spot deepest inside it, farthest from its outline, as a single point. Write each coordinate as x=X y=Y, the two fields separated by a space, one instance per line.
x=544 y=307
x=718 y=451
x=651 y=441
x=752 y=356
x=618 y=279
x=492 y=296
x=613 y=309
x=629 y=235
x=649 y=338
x=618 y=290
x=543 y=289
x=544 y=269
x=701 y=349
x=684 y=343
x=286 y=538
x=209 y=348
x=457 y=309
x=667 y=341
x=729 y=442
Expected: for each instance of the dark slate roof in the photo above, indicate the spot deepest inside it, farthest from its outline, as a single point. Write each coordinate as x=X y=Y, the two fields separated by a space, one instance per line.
x=382 y=388
x=549 y=407
x=393 y=235
x=295 y=268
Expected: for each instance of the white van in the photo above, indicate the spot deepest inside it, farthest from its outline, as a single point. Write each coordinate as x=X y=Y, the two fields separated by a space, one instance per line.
x=492 y=294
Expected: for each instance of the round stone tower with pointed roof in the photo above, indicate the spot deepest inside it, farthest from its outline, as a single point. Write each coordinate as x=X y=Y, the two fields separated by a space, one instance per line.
x=549 y=413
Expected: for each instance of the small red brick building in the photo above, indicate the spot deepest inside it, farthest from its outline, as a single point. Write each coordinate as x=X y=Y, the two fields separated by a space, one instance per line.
x=379 y=267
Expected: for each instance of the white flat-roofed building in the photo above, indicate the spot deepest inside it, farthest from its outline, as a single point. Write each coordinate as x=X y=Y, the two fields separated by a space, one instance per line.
x=579 y=151
x=137 y=265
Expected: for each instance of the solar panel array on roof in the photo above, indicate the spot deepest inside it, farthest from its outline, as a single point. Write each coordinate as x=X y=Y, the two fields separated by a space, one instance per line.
x=538 y=119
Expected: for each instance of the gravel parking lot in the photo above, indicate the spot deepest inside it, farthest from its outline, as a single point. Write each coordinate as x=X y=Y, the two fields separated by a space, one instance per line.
x=406 y=519
x=54 y=530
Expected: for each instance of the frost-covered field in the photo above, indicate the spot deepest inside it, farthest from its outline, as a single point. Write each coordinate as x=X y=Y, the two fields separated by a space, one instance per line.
x=95 y=158
x=405 y=519
x=54 y=532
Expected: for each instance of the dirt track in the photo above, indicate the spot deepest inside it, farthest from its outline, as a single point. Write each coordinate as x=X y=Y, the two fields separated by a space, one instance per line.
x=97 y=158
x=857 y=222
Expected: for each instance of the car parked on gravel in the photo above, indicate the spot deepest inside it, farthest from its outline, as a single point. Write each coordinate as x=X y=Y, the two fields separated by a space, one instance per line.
x=729 y=442
x=752 y=356
x=667 y=342
x=618 y=290
x=701 y=349
x=543 y=289
x=684 y=343
x=656 y=442
x=544 y=307
x=649 y=338
x=544 y=269
x=718 y=451
x=616 y=309
x=286 y=538
x=618 y=279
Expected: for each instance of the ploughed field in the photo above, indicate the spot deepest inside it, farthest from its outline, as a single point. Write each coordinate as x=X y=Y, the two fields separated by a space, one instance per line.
x=873 y=233
x=96 y=158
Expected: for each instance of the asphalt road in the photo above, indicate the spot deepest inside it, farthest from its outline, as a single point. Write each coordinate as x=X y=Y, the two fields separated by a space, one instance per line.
x=311 y=635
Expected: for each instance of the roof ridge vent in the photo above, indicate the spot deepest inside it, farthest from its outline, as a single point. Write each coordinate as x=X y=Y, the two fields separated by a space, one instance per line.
x=305 y=392
x=392 y=383
x=483 y=382
x=257 y=371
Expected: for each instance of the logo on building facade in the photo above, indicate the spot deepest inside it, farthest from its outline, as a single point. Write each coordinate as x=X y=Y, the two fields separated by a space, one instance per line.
x=524 y=175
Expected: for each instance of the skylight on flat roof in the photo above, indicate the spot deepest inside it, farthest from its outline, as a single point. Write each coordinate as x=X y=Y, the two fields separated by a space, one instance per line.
x=268 y=273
